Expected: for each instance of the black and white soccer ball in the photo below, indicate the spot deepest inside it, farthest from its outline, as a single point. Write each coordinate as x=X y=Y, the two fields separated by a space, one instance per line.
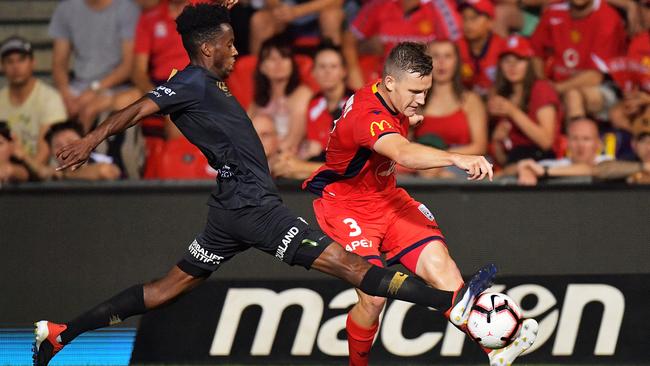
x=494 y=321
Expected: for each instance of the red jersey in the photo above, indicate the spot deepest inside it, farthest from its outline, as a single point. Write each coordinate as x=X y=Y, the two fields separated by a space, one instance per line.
x=639 y=56
x=352 y=169
x=320 y=120
x=570 y=45
x=453 y=129
x=479 y=71
x=156 y=37
x=542 y=94
x=385 y=19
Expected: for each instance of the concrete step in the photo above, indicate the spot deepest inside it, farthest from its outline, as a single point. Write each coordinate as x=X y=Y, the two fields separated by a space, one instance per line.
x=34 y=32
x=27 y=10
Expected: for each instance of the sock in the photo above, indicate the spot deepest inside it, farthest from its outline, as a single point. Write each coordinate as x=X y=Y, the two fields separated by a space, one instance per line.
x=123 y=305
x=453 y=299
x=397 y=285
x=359 y=341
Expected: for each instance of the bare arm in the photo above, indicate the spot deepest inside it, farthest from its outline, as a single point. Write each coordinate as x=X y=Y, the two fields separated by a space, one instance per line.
x=99 y=171
x=314 y=6
x=140 y=74
x=415 y=156
x=619 y=169
x=541 y=134
x=580 y=80
x=60 y=64
x=572 y=170
x=298 y=103
x=77 y=153
x=123 y=71
x=351 y=54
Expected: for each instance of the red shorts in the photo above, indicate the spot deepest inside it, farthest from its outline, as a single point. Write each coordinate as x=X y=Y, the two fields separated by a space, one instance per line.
x=396 y=226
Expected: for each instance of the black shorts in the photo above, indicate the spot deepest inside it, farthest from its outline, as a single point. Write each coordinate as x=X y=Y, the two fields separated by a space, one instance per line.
x=271 y=228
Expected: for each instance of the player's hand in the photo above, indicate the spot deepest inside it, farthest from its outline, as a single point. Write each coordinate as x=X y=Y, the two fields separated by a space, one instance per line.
x=477 y=167
x=75 y=154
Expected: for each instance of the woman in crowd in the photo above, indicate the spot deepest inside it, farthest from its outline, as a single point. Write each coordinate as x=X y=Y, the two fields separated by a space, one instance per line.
x=279 y=92
x=527 y=110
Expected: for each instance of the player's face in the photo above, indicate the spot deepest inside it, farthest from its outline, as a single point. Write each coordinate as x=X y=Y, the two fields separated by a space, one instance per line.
x=642 y=148
x=18 y=67
x=63 y=138
x=329 y=71
x=276 y=66
x=475 y=24
x=6 y=149
x=513 y=68
x=223 y=58
x=409 y=92
x=583 y=142
x=444 y=61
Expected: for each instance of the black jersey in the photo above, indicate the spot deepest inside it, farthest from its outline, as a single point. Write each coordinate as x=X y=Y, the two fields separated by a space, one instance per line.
x=204 y=110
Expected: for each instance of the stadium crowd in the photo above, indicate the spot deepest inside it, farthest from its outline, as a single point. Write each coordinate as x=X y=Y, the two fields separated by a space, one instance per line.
x=544 y=88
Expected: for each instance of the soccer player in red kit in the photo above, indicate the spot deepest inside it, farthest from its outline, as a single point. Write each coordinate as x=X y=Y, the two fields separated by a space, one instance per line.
x=360 y=206
x=573 y=37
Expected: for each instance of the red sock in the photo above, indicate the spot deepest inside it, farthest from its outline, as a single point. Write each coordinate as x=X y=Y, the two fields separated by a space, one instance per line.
x=359 y=342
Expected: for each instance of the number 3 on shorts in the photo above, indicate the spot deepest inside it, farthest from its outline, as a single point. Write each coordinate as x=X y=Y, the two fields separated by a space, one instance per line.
x=356 y=230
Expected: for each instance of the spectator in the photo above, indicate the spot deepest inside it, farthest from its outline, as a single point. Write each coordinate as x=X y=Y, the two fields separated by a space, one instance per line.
x=279 y=92
x=281 y=165
x=99 y=166
x=480 y=47
x=527 y=109
x=381 y=24
x=29 y=105
x=584 y=145
x=325 y=107
x=454 y=118
x=279 y=16
x=99 y=33
x=12 y=170
x=567 y=42
x=636 y=80
x=633 y=171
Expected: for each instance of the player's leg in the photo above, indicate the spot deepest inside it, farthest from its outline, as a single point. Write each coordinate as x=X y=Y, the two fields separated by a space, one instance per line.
x=362 y=325
x=135 y=300
x=204 y=255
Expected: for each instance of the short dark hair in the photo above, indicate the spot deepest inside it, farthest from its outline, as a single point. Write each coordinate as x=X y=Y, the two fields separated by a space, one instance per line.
x=63 y=126
x=262 y=91
x=5 y=131
x=328 y=45
x=199 y=23
x=410 y=57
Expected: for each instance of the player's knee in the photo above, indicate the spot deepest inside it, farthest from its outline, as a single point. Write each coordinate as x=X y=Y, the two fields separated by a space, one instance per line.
x=372 y=305
x=440 y=271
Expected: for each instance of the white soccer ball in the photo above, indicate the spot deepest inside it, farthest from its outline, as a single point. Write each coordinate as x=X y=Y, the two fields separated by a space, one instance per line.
x=494 y=321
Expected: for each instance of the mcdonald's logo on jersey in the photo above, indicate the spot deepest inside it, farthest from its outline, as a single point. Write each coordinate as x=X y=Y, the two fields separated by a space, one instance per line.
x=380 y=126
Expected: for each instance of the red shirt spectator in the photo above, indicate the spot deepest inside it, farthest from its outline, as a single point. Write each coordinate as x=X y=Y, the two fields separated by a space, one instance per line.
x=320 y=119
x=432 y=19
x=570 y=45
x=157 y=38
x=640 y=48
x=479 y=71
x=542 y=94
x=453 y=129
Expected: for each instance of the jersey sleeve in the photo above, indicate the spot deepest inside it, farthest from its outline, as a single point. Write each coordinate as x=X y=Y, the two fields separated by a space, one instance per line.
x=366 y=23
x=371 y=127
x=182 y=91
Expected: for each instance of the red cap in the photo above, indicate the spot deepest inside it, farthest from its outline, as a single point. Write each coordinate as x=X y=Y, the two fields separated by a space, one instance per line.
x=518 y=46
x=481 y=6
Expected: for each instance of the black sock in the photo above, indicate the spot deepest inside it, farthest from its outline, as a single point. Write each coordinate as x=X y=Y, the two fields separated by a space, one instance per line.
x=123 y=305
x=397 y=285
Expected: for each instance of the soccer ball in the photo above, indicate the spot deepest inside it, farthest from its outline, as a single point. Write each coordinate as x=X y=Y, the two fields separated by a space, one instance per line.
x=494 y=321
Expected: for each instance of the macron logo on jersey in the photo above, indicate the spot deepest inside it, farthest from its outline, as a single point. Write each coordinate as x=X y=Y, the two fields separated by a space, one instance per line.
x=380 y=126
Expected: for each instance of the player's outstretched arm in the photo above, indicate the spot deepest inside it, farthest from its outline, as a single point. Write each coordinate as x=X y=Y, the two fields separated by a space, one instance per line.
x=416 y=156
x=77 y=153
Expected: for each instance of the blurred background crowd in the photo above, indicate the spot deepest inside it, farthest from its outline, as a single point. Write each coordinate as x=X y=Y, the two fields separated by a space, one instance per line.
x=544 y=88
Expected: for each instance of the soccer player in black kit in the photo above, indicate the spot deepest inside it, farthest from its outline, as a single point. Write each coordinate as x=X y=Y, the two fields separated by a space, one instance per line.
x=245 y=209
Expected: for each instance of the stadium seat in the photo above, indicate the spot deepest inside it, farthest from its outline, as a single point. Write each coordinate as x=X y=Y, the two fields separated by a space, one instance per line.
x=182 y=160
